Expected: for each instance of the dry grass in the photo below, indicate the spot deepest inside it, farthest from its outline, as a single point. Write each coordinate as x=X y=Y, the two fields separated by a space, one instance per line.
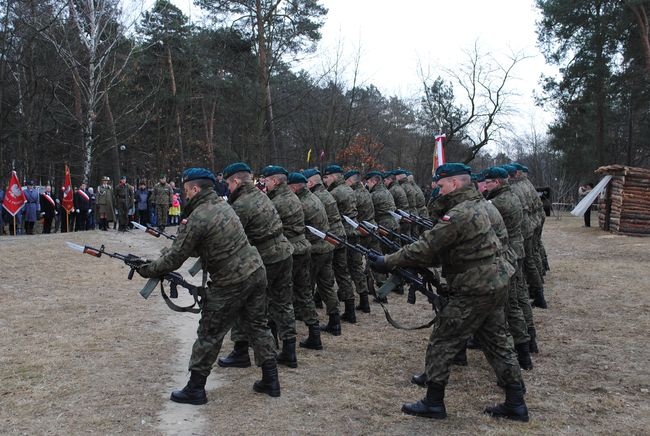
x=83 y=352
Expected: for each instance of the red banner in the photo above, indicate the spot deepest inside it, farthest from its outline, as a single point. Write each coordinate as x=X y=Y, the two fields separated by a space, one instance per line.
x=14 y=196
x=67 y=202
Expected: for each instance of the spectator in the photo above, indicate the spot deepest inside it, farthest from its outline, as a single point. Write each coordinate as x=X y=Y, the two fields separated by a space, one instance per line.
x=221 y=187
x=82 y=208
x=175 y=210
x=90 y=223
x=48 y=209
x=142 y=204
x=582 y=193
x=32 y=207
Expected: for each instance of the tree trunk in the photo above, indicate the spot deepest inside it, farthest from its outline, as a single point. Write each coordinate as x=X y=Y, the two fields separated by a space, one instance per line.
x=208 y=128
x=114 y=150
x=265 y=86
x=177 y=112
x=644 y=33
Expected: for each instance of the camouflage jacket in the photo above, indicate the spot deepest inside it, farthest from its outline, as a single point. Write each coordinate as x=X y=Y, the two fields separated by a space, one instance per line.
x=261 y=223
x=536 y=203
x=346 y=202
x=420 y=202
x=500 y=230
x=315 y=216
x=333 y=215
x=292 y=216
x=365 y=209
x=401 y=201
x=464 y=242
x=527 y=225
x=383 y=203
x=409 y=190
x=511 y=211
x=162 y=194
x=213 y=232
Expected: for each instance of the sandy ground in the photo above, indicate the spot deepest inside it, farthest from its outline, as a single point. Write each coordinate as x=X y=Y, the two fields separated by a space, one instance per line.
x=83 y=352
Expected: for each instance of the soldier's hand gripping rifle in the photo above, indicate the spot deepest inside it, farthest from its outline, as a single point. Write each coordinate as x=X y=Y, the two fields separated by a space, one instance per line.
x=422 y=284
x=134 y=262
x=426 y=223
x=152 y=231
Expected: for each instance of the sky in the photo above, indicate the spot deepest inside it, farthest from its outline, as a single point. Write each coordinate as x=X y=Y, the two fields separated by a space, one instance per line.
x=393 y=39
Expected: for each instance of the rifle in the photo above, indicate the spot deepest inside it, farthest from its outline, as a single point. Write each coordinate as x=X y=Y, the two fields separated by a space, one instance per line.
x=173 y=278
x=422 y=284
x=366 y=230
x=152 y=231
x=385 y=231
x=417 y=220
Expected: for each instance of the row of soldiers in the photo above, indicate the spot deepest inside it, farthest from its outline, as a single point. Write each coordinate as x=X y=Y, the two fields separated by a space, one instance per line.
x=295 y=262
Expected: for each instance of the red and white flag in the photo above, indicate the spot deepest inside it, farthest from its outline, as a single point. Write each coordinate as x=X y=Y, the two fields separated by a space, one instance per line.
x=438 y=152
x=67 y=201
x=14 y=196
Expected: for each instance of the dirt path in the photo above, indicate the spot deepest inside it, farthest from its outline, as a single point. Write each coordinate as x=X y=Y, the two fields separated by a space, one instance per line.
x=82 y=352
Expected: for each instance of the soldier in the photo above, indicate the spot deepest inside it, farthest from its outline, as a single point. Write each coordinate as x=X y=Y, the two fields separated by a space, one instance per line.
x=161 y=198
x=365 y=212
x=539 y=250
x=32 y=208
x=319 y=262
x=319 y=268
x=124 y=200
x=346 y=265
x=402 y=178
x=235 y=290
x=468 y=249
x=105 y=202
x=263 y=227
x=82 y=207
x=400 y=198
x=420 y=202
x=48 y=208
x=509 y=206
x=435 y=193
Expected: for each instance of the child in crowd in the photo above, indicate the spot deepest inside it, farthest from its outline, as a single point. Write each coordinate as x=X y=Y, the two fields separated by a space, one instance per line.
x=175 y=210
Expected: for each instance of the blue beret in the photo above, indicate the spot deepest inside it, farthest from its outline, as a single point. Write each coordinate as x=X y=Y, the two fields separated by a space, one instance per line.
x=388 y=174
x=398 y=171
x=198 y=173
x=408 y=173
x=310 y=172
x=272 y=170
x=375 y=173
x=452 y=169
x=478 y=177
x=236 y=167
x=296 y=178
x=517 y=165
x=350 y=173
x=511 y=169
x=332 y=169
x=496 y=173
x=525 y=168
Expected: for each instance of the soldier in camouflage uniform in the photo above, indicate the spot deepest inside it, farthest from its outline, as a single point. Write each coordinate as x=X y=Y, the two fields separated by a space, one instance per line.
x=402 y=178
x=213 y=232
x=161 y=198
x=400 y=198
x=365 y=212
x=465 y=244
x=538 y=245
x=347 y=265
x=509 y=206
x=263 y=227
x=316 y=268
x=435 y=193
x=420 y=202
x=319 y=269
x=124 y=194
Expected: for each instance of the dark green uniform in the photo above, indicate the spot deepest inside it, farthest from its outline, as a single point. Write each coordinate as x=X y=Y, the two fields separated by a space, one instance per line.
x=213 y=232
x=161 y=198
x=124 y=203
x=465 y=244
x=420 y=202
x=263 y=228
x=383 y=203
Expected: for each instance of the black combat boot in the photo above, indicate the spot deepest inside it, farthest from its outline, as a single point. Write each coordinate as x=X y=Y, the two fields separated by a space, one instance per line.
x=539 y=300
x=532 y=345
x=193 y=392
x=313 y=340
x=420 y=379
x=473 y=343
x=239 y=357
x=288 y=354
x=431 y=406
x=103 y=224
x=333 y=327
x=269 y=384
x=523 y=356
x=349 y=315
x=318 y=302
x=514 y=407
x=460 y=358
x=364 y=305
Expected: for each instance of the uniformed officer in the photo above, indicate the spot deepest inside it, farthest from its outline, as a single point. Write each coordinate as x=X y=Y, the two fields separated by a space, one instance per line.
x=467 y=247
x=105 y=204
x=124 y=202
x=213 y=231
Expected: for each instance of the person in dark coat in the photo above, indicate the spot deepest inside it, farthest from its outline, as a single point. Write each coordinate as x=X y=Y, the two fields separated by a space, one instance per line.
x=82 y=207
x=48 y=209
x=32 y=207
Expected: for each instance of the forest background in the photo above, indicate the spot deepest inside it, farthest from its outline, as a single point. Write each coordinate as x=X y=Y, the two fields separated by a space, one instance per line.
x=110 y=92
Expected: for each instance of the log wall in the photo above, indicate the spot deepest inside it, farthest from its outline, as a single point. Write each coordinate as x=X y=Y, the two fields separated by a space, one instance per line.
x=625 y=207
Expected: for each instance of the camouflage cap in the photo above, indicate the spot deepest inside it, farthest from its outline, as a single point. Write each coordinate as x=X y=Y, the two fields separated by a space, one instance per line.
x=374 y=173
x=496 y=173
x=198 y=173
x=236 y=167
x=296 y=178
x=310 y=172
x=332 y=169
x=272 y=170
x=452 y=169
x=351 y=173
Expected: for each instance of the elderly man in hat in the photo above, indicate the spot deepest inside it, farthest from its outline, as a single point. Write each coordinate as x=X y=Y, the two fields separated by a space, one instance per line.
x=465 y=244
x=105 y=204
x=212 y=230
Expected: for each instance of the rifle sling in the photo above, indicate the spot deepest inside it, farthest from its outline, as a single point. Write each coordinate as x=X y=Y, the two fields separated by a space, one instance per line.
x=198 y=302
x=397 y=325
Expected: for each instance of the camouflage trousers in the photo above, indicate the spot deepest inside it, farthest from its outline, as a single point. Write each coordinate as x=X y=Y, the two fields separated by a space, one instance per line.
x=523 y=296
x=279 y=300
x=538 y=249
x=355 y=266
x=482 y=316
x=303 y=298
x=514 y=314
x=342 y=273
x=322 y=276
x=162 y=212
x=531 y=273
x=223 y=306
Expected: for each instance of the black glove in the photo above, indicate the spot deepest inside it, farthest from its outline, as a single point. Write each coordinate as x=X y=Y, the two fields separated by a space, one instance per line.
x=378 y=263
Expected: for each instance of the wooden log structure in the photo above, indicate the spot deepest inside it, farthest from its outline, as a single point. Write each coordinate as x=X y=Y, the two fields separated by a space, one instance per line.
x=624 y=208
